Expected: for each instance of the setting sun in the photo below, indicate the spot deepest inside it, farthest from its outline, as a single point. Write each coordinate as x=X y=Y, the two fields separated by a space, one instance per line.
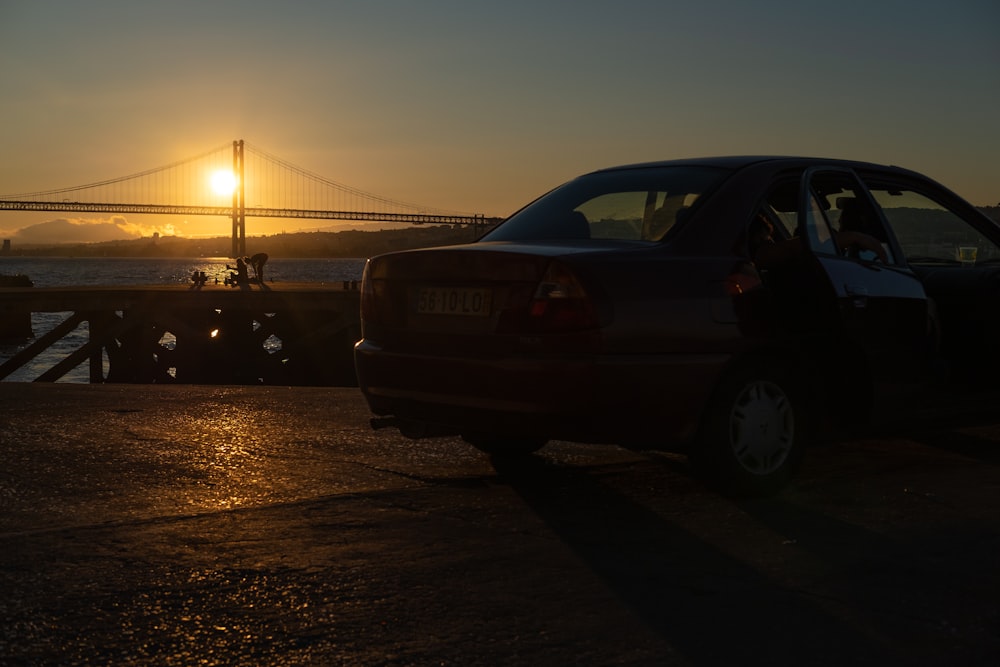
x=223 y=182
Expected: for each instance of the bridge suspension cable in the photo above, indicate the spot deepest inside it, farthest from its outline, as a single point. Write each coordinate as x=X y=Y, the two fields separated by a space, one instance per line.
x=267 y=186
x=259 y=155
x=157 y=179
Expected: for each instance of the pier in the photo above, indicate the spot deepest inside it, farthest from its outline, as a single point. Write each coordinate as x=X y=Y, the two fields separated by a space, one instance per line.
x=270 y=334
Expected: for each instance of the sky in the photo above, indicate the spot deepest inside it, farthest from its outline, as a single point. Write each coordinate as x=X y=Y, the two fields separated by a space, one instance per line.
x=481 y=107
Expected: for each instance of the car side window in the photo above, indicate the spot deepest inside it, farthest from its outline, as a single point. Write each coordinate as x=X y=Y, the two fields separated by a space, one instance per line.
x=929 y=232
x=818 y=230
x=840 y=211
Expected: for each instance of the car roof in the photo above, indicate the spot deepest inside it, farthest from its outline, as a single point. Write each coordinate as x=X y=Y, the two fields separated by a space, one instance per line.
x=735 y=162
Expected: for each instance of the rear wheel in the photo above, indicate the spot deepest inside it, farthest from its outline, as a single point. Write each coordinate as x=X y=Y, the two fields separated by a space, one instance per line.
x=505 y=445
x=752 y=437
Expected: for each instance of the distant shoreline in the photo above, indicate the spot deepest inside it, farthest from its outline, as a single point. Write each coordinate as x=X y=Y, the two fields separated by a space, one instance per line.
x=345 y=244
x=299 y=245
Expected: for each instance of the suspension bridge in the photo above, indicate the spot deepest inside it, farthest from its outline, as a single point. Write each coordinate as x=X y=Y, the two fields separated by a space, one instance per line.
x=236 y=181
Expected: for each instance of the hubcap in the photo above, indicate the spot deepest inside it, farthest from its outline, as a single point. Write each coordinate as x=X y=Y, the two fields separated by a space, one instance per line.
x=761 y=427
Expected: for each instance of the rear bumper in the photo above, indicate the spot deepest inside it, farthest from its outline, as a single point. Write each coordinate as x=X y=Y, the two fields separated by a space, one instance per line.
x=657 y=399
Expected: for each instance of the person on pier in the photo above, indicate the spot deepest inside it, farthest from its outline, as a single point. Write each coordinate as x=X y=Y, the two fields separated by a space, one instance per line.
x=241 y=277
x=257 y=262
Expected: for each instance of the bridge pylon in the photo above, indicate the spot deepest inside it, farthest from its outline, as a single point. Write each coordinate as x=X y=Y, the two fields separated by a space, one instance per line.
x=239 y=209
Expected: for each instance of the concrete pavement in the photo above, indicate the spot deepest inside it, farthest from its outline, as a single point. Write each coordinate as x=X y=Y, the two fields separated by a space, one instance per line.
x=158 y=525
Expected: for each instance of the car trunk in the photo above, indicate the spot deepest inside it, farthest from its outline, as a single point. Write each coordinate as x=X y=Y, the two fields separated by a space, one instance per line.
x=482 y=299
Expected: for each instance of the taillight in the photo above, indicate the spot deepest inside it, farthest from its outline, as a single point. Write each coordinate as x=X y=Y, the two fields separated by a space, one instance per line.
x=559 y=304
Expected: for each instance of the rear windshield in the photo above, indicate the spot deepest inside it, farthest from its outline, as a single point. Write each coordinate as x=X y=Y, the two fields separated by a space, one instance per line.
x=640 y=204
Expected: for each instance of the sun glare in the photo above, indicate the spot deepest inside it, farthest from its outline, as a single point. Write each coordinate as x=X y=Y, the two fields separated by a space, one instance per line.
x=223 y=182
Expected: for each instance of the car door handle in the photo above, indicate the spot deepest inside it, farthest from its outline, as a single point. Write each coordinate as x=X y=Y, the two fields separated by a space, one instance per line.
x=858 y=295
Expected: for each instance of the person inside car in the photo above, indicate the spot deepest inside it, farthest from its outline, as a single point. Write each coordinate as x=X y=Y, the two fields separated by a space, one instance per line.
x=766 y=248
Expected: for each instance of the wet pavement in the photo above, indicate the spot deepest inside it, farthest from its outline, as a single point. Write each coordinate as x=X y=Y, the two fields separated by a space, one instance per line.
x=178 y=525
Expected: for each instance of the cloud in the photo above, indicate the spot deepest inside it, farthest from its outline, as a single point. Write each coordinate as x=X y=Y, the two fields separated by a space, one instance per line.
x=80 y=230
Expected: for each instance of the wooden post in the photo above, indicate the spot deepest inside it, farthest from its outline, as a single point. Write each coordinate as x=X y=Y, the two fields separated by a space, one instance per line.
x=15 y=324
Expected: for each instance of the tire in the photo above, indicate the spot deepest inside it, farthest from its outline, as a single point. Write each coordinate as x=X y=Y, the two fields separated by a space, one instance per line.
x=503 y=445
x=752 y=438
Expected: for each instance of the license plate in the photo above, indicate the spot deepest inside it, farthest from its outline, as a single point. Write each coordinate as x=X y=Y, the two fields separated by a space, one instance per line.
x=454 y=301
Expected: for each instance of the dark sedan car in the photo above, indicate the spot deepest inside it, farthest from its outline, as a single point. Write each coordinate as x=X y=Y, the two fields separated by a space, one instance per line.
x=723 y=307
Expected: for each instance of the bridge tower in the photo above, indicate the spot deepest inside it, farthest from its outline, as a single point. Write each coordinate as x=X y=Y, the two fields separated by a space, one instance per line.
x=239 y=210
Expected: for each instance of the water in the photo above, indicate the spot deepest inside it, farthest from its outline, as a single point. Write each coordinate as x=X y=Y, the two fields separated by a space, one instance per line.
x=124 y=271
x=128 y=271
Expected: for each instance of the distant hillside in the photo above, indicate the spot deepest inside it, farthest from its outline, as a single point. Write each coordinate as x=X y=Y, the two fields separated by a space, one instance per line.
x=351 y=243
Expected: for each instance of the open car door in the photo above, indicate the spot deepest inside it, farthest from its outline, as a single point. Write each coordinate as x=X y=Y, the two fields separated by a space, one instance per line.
x=881 y=307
